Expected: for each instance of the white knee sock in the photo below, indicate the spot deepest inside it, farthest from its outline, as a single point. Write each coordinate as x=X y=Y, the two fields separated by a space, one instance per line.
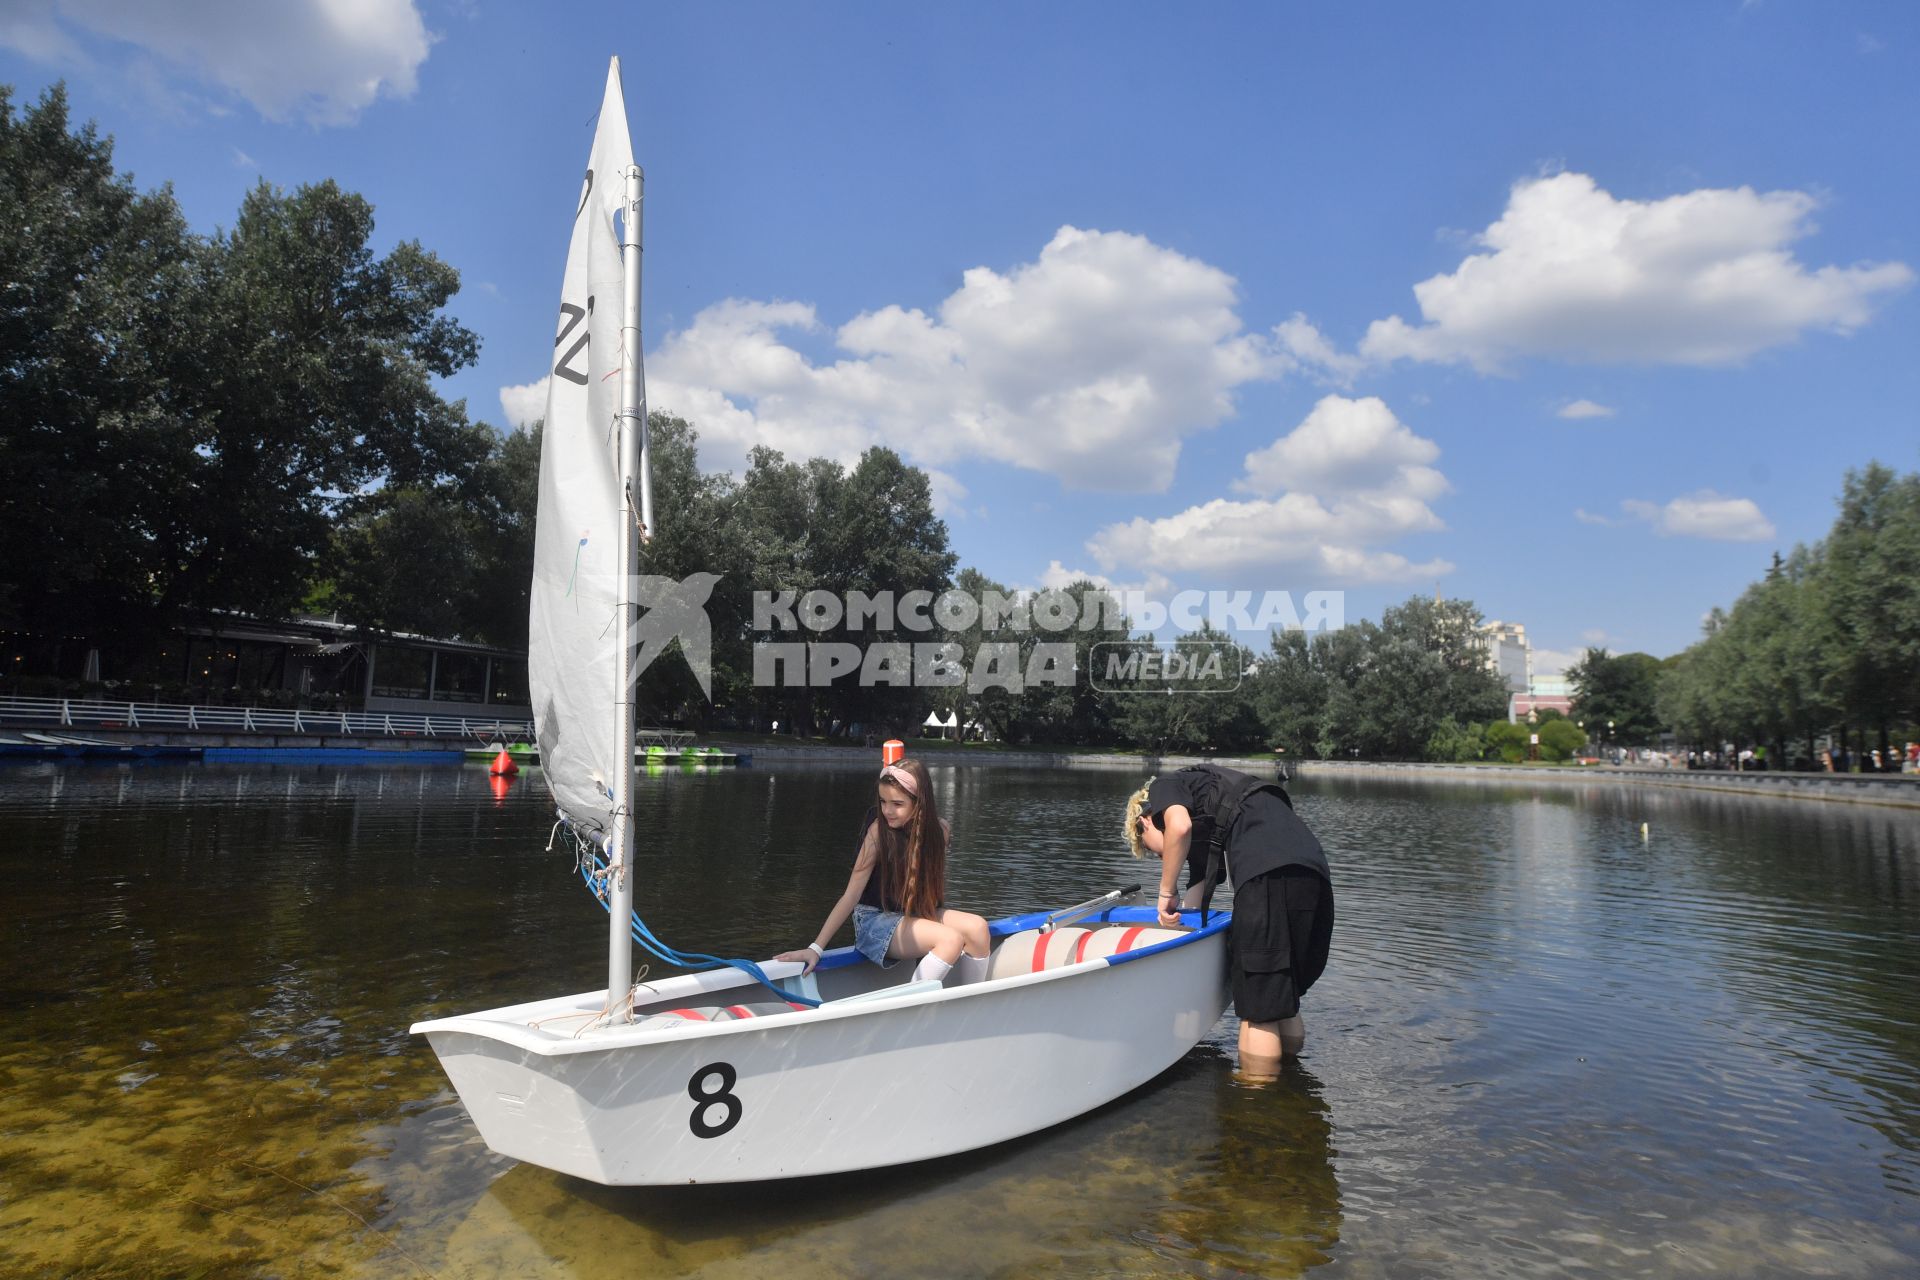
x=969 y=969
x=931 y=966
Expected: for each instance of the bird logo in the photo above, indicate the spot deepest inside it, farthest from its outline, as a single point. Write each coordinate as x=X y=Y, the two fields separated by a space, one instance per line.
x=675 y=611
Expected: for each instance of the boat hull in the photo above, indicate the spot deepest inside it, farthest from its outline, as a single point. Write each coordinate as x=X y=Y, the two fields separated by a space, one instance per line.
x=876 y=1082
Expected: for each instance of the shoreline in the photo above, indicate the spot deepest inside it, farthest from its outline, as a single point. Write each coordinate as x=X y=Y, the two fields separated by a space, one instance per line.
x=1898 y=791
x=1891 y=790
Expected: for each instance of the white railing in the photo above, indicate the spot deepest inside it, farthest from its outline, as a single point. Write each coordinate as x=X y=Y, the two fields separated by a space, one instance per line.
x=669 y=739
x=92 y=713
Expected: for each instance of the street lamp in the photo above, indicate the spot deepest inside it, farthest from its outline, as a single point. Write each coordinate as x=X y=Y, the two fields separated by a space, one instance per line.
x=1610 y=740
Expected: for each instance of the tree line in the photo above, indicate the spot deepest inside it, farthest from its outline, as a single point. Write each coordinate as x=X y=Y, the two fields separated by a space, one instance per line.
x=247 y=421
x=1826 y=644
x=196 y=422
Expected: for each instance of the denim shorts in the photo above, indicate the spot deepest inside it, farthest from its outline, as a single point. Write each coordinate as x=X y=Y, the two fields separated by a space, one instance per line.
x=872 y=931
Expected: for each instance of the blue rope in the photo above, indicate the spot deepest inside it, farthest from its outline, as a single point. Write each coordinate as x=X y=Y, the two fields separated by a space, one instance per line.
x=695 y=960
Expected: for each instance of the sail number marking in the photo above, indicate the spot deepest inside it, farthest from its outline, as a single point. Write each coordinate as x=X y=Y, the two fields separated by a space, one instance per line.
x=706 y=1098
x=573 y=316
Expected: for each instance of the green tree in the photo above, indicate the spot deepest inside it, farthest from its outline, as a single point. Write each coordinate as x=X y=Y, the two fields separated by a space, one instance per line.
x=1622 y=689
x=1453 y=743
x=1872 y=586
x=316 y=391
x=1559 y=738
x=1082 y=711
x=507 y=500
x=1173 y=715
x=1400 y=689
x=695 y=531
x=94 y=279
x=451 y=559
x=1289 y=693
x=1508 y=740
x=1458 y=682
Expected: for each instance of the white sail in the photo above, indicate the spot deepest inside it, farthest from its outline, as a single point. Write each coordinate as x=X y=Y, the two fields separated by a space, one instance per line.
x=572 y=651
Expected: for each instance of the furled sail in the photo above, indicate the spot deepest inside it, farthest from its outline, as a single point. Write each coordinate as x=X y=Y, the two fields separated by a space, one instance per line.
x=571 y=664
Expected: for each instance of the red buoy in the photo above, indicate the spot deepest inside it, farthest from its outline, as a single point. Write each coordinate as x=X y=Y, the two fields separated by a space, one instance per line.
x=503 y=765
x=892 y=751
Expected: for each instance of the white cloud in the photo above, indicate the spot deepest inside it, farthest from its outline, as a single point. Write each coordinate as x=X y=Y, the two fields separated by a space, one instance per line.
x=1155 y=586
x=1371 y=482
x=524 y=405
x=1554 y=662
x=1587 y=517
x=1300 y=339
x=1584 y=409
x=1572 y=273
x=1346 y=446
x=1091 y=363
x=321 y=61
x=30 y=27
x=242 y=160
x=1705 y=514
x=949 y=495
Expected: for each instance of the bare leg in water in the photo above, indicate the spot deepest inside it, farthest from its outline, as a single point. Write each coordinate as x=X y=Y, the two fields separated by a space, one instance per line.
x=1264 y=1044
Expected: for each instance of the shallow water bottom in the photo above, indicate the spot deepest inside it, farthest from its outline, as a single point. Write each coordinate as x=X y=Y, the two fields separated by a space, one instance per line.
x=1544 y=1047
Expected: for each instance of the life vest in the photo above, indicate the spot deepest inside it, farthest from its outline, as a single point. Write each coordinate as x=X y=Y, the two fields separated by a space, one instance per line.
x=1211 y=828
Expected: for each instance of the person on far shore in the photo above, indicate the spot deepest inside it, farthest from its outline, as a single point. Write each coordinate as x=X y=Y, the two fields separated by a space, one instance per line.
x=1282 y=924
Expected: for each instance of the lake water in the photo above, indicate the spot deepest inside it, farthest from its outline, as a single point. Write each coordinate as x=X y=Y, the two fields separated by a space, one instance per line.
x=1545 y=1046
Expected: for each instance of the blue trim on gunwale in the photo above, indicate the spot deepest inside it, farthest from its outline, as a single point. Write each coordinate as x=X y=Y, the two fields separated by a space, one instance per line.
x=1217 y=921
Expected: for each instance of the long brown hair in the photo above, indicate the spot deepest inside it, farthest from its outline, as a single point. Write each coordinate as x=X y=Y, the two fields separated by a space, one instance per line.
x=912 y=865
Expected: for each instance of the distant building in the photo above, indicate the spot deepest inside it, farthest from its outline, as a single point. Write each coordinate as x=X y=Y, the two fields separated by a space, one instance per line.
x=1508 y=654
x=308 y=661
x=1544 y=693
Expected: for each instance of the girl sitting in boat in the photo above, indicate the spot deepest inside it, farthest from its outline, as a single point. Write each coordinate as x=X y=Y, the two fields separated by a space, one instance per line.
x=897 y=892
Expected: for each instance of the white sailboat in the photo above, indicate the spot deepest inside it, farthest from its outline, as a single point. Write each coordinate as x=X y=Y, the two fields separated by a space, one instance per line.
x=711 y=1077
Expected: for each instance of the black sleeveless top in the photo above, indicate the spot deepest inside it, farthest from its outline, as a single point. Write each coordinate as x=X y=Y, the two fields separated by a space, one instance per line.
x=872 y=895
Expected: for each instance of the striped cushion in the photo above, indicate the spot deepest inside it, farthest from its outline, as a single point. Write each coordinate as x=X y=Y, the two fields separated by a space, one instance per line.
x=1116 y=940
x=1030 y=951
x=730 y=1012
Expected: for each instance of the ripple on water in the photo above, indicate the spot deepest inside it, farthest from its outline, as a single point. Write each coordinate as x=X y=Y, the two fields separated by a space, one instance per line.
x=1544 y=1047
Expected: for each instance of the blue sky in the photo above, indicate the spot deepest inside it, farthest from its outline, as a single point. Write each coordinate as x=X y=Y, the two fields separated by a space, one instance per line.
x=1578 y=312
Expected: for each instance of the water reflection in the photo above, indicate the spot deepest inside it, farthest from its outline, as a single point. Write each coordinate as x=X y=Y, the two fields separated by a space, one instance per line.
x=1544 y=1045
x=1192 y=1173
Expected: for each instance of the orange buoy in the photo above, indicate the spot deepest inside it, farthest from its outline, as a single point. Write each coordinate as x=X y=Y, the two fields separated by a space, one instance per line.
x=892 y=751
x=503 y=765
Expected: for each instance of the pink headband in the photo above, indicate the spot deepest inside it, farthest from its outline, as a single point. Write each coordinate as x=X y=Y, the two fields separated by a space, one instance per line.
x=900 y=778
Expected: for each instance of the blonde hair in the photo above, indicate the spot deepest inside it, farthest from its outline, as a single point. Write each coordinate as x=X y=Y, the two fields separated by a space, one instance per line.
x=1135 y=803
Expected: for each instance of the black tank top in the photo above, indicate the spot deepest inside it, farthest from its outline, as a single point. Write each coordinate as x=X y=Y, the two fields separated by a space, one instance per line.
x=872 y=895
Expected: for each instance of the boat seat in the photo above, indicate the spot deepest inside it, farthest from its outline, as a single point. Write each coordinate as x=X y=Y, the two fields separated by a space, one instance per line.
x=728 y=1012
x=1030 y=951
x=1117 y=940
